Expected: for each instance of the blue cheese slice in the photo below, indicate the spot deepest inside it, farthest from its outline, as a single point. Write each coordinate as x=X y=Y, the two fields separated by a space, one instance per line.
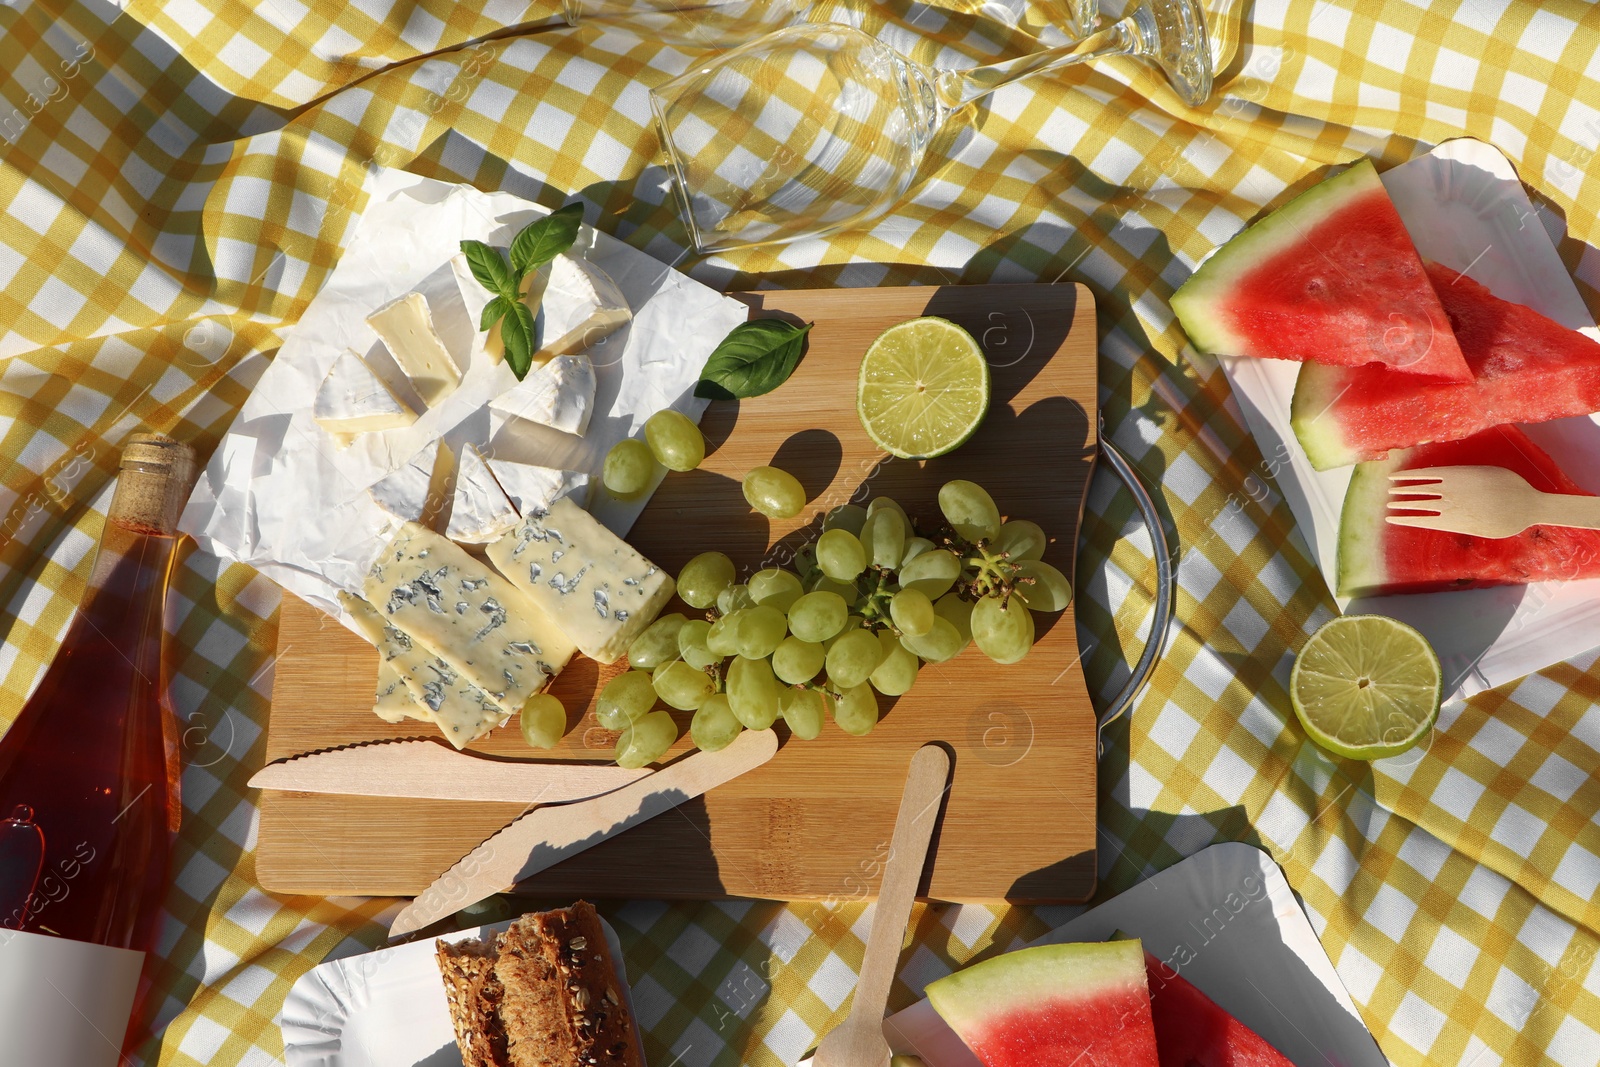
x=480 y=625
x=418 y=491
x=558 y=394
x=353 y=400
x=534 y=488
x=591 y=582
x=481 y=511
x=428 y=688
x=405 y=326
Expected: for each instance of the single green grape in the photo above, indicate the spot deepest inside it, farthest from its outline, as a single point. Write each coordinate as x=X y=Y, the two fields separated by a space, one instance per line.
x=544 y=720
x=898 y=671
x=1020 y=540
x=795 y=661
x=775 y=587
x=857 y=710
x=735 y=598
x=656 y=645
x=912 y=612
x=753 y=692
x=703 y=578
x=915 y=546
x=629 y=467
x=1049 y=590
x=884 y=537
x=840 y=555
x=818 y=616
x=759 y=631
x=805 y=560
x=624 y=699
x=775 y=493
x=847 y=517
x=845 y=591
x=932 y=573
x=803 y=711
x=1002 y=631
x=852 y=658
x=714 y=725
x=969 y=508
x=675 y=440
x=878 y=503
x=723 y=636
x=938 y=644
x=647 y=740
x=681 y=686
x=958 y=612
x=692 y=644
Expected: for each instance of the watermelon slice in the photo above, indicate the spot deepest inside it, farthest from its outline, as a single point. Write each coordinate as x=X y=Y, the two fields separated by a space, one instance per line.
x=1376 y=558
x=1083 y=1005
x=1527 y=368
x=1332 y=277
x=1193 y=1031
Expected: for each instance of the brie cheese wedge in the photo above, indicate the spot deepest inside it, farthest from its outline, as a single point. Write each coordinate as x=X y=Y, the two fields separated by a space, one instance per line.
x=481 y=510
x=533 y=488
x=405 y=326
x=558 y=394
x=353 y=400
x=575 y=305
x=418 y=491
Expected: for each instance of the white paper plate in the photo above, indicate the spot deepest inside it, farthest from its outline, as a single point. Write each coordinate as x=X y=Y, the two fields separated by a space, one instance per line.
x=385 y=1008
x=1226 y=920
x=1465 y=208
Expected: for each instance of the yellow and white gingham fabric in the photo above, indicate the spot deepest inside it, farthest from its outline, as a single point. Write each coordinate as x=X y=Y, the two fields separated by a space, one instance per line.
x=176 y=180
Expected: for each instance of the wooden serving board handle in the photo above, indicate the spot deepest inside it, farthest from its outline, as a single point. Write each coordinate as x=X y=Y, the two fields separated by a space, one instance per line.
x=546 y=836
x=428 y=769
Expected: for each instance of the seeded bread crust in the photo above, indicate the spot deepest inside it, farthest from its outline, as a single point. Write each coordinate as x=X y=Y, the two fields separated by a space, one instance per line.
x=546 y=993
x=474 y=995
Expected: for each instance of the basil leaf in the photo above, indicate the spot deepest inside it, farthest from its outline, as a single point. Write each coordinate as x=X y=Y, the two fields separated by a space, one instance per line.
x=756 y=357
x=544 y=239
x=516 y=332
x=489 y=267
x=492 y=312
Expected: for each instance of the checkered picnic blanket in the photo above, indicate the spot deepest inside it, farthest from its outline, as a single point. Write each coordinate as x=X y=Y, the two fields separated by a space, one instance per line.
x=176 y=180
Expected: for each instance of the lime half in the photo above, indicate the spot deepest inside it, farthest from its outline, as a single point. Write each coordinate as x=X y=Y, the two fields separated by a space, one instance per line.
x=1366 y=687
x=923 y=388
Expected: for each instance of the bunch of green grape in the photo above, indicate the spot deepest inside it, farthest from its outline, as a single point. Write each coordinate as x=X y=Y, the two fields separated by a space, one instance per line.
x=859 y=613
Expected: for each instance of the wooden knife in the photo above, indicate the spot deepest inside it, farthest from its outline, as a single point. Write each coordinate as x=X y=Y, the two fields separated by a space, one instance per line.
x=547 y=835
x=433 y=770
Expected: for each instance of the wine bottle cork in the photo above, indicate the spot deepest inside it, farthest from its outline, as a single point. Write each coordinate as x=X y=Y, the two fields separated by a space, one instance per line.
x=153 y=483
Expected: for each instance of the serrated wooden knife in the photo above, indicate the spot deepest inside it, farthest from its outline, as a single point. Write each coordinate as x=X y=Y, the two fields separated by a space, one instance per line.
x=431 y=770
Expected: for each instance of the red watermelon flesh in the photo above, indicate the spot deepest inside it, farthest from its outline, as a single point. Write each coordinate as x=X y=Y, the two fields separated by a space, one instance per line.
x=1081 y=1005
x=1332 y=277
x=1193 y=1031
x=1526 y=368
x=1376 y=558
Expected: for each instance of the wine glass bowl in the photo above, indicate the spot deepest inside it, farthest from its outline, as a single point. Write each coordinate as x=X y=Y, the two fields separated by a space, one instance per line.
x=1174 y=37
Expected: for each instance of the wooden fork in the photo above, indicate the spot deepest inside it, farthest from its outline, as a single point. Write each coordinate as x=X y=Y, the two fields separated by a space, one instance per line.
x=1483 y=502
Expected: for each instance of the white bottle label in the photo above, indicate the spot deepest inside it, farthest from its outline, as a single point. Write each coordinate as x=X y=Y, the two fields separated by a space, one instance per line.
x=63 y=1003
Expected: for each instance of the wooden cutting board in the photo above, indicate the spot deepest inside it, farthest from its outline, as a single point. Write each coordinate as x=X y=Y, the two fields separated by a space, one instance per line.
x=815 y=822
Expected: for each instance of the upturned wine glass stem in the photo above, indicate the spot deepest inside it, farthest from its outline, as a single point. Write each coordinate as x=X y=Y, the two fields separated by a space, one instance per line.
x=957 y=88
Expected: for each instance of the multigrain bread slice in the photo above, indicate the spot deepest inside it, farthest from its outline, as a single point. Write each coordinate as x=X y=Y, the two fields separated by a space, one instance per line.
x=550 y=995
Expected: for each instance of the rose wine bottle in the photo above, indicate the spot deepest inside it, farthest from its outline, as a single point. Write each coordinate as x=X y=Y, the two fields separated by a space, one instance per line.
x=89 y=791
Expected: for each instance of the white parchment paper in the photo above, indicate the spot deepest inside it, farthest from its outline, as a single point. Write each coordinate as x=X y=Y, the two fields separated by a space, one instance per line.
x=1465 y=208
x=282 y=496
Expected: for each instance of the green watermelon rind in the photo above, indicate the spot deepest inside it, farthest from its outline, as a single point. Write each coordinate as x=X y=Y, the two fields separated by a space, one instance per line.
x=1007 y=984
x=1317 y=389
x=1361 y=569
x=1208 y=287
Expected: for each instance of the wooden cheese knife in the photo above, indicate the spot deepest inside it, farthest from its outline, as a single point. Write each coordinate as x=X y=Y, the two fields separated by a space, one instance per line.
x=432 y=770
x=547 y=835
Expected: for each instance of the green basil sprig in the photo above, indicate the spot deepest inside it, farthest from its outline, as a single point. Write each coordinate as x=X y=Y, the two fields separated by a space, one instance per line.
x=537 y=244
x=756 y=357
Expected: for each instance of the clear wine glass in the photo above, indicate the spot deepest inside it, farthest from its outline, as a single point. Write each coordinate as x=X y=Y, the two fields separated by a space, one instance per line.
x=818 y=128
